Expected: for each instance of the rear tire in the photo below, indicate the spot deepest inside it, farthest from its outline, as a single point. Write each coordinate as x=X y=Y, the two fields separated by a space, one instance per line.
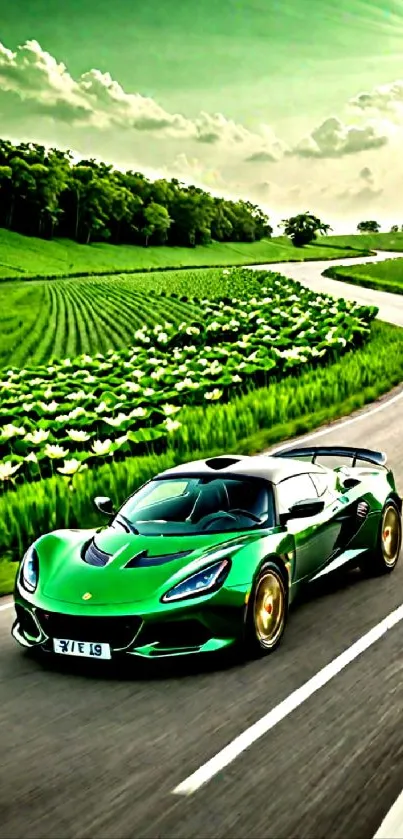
x=267 y=611
x=383 y=559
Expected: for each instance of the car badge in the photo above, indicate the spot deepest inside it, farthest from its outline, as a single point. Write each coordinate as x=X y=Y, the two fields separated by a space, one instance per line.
x=87 y=596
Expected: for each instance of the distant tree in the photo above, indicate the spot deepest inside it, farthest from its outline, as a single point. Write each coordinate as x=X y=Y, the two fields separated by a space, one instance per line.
x=394 y=228
x=303 y=228
x=43 y=193
x=368 y=227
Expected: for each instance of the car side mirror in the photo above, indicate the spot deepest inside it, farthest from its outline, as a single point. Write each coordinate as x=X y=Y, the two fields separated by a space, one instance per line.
x=104 y=505
x=303 y=509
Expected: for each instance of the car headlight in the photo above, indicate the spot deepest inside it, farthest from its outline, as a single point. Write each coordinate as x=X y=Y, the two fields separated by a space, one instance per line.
x=208 y=579
x=30 y=570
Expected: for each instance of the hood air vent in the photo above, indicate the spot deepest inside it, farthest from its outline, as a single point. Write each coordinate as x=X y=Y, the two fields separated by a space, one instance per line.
x=94 y=556
x=144 y=559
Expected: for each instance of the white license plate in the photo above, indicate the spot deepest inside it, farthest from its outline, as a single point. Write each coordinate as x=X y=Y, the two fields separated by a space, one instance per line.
x=88 y=649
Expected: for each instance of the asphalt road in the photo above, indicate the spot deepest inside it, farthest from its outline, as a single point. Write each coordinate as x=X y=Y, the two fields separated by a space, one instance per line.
x=310 y=275
x=97 y=752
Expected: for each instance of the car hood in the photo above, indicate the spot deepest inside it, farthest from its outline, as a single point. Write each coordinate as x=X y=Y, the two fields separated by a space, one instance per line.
x=137 y=567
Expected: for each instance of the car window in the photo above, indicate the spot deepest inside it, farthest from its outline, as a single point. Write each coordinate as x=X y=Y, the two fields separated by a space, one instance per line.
x=321 y=482
x=162 y=490
x=199 y=504
x=291 y=490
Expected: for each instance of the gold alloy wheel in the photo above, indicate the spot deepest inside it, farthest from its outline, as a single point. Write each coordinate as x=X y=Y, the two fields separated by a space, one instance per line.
x=269 y=608
x=391 y=535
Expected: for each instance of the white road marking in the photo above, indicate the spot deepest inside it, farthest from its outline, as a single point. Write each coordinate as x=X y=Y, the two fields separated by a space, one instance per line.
x=6 y=606
x=217 y=763
x=392 y=825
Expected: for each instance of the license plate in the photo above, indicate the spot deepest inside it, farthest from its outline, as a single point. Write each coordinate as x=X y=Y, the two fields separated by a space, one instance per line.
x=87 y=649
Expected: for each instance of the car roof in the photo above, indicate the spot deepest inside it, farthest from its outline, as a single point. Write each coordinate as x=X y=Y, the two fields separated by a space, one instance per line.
x=273 y=469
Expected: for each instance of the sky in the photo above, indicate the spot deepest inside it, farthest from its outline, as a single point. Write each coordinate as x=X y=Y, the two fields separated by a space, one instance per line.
x=294 y=105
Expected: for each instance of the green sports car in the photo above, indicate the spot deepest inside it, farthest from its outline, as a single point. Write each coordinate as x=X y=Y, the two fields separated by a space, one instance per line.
x=208 y=555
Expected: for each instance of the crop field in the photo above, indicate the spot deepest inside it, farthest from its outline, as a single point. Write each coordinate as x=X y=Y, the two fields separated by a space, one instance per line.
x=25 y=257
x=65 y=415
x=383 y=276
x=65 y=318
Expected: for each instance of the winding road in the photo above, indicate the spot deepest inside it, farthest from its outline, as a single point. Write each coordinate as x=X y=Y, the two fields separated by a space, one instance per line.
x=100 y=752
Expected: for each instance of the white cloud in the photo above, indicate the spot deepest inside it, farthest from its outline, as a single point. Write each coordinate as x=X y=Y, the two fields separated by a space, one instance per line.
x=96 y=100
x=384 y=100
x=334 y=139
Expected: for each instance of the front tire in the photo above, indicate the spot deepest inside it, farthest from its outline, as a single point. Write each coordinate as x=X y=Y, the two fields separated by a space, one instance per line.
x=267 y=611
x=384 y=558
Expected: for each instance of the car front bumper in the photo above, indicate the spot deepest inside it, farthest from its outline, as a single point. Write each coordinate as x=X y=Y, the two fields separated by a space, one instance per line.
x=190 y=631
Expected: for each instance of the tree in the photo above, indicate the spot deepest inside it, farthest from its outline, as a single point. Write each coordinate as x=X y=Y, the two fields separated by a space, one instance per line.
x=43 y=193
x=368 y=227
x=394 y=228
x=157 y=222
x=303 y=228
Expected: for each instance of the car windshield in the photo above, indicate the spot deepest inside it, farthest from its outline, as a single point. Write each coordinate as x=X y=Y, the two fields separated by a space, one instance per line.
x=198 y=505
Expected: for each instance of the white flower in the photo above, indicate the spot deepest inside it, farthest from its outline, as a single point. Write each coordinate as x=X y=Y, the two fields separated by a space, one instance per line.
x=10 y=430
x=7 y=470
x=102 y=447
x=76 y=412
x=132 y=387
x=212 y=395
x=71 y=467
x=31 y=458
x=171 y=425
x=168 y=410
x=49 y=408
x=77 y=435
x=55 y=452
x=116 y=421
x=138 y=412
x=37 y=437
x=149 y=391
x=101 y=408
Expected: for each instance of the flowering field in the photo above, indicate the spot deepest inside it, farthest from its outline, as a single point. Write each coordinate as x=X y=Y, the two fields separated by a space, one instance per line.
x=40 y=320
x=65 y=416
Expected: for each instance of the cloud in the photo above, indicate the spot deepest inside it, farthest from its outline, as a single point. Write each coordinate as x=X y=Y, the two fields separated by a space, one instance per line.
x=193 y=170
x=44 y=86
x=262 y=156
x=334 y=139
x=386 y=100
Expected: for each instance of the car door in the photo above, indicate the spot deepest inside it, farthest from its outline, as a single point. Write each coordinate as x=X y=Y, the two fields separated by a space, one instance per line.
x=315 y=536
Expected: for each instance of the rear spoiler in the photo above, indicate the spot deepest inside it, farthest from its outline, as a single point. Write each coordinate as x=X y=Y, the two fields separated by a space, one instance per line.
x=376 y=458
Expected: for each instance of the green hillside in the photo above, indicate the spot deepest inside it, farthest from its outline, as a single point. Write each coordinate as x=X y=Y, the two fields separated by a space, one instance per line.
x=25 y=257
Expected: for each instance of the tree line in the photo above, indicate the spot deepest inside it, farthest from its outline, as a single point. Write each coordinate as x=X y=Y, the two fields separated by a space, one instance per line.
x=44 y=193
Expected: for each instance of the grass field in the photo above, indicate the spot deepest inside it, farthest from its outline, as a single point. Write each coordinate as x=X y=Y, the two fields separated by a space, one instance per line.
x=248 y=424
x=383 y=276
x=372 y=241
x=25 y=257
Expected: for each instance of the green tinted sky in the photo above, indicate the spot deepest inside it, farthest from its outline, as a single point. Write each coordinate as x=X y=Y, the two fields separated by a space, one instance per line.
x=270 y=60
x=290 y=65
